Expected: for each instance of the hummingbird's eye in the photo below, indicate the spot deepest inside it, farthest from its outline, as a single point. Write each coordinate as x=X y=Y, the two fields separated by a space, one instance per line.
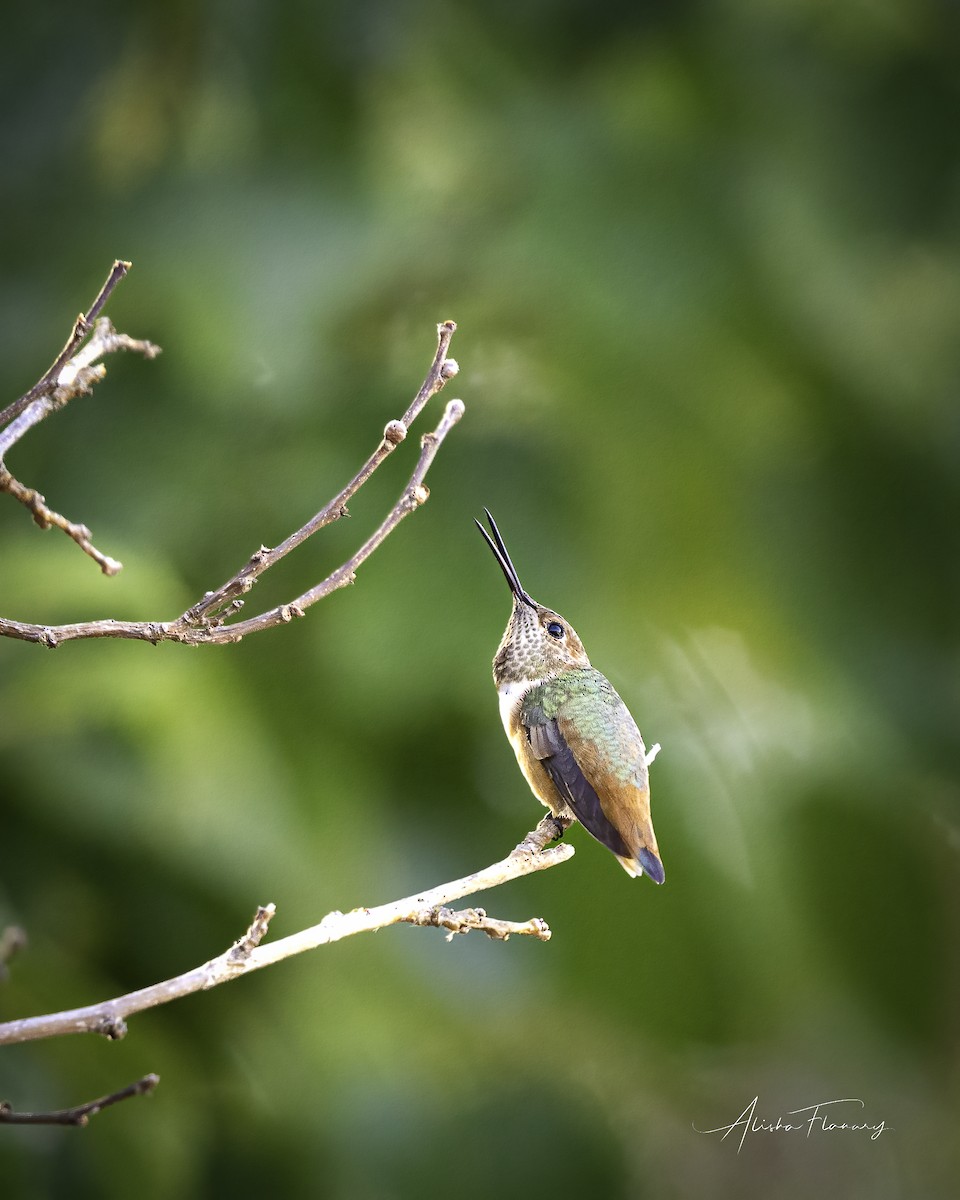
x=555 y=629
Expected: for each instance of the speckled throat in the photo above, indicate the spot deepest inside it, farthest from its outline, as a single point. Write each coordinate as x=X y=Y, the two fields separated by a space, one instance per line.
x=526 y=653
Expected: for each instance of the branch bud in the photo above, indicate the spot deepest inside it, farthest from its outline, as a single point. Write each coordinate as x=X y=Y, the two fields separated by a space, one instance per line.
x=394 y=433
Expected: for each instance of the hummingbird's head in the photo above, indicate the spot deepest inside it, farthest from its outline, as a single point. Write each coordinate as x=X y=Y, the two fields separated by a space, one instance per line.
x=538 y=642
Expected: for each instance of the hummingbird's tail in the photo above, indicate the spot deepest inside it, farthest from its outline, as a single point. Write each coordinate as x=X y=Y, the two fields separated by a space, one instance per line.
x=647 y=862
x=651 y=865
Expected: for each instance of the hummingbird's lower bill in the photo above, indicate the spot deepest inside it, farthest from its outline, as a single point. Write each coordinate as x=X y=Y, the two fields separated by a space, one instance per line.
x=577 y=745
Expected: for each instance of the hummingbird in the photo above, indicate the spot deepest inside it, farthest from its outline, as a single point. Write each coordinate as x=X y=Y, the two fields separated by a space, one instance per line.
x=577 y=745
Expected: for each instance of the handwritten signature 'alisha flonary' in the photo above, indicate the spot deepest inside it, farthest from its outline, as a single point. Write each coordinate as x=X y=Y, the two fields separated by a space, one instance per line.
x=834 y=1120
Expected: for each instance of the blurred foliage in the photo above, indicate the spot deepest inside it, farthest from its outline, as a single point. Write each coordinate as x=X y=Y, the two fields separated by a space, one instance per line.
x=705 y=260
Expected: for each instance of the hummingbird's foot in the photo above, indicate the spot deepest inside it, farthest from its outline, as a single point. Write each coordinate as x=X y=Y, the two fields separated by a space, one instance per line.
x=551 y=829
x=560 y=825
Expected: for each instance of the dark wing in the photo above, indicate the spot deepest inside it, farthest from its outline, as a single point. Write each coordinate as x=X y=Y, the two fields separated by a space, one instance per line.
x=550 y=747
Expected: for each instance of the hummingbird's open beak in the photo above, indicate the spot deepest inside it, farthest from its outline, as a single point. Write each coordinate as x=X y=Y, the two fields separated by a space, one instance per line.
x=496 y=544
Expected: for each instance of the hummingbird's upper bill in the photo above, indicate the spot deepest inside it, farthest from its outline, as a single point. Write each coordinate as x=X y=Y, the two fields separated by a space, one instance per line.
x=499 y=549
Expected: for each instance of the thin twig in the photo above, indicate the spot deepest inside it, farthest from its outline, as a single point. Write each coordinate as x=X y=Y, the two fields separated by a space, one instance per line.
x=81 y=327
x=210 y=609
x=67 y=379
x=46 y=517
x=476 y=918
x=184 y=630
x=76 y=378
x=81 y=1114
x=212 y=620
x=430 y=907
x=243 y=947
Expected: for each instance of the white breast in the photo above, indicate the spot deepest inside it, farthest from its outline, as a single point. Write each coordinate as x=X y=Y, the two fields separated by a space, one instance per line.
x=511 y=696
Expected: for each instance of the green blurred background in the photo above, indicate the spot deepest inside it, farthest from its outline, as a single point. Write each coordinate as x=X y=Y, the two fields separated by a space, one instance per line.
x=705 y=262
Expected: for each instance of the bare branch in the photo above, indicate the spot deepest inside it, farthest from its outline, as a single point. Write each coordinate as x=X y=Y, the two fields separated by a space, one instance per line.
x=81 y=1114
x=212 y=631
x=430 y=907
x=82 y=326
x=212 y=620
x=46 y=517
x=476 y=918
x=65 y=380
x=214 y=604
x=243 y=947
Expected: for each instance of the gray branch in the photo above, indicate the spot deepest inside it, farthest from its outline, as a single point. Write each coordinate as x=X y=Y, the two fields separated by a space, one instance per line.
x=213 y=619
x=73 y=373
x=81 y=1113
x=427 y=908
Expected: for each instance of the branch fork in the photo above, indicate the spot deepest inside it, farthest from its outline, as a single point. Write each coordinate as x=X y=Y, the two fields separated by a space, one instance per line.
x=428 y=909
x=214 y=619
x=251 y=953
x=64 y=381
